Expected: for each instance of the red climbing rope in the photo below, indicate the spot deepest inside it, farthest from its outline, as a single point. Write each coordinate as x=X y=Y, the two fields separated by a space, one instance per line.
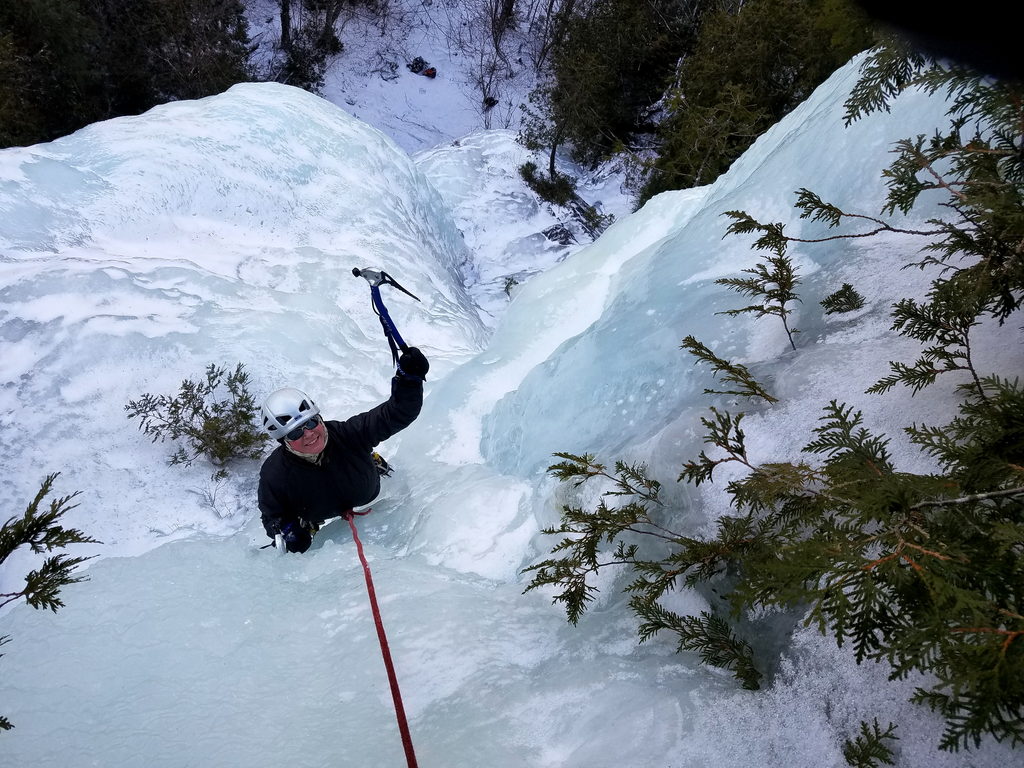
x=396 y=694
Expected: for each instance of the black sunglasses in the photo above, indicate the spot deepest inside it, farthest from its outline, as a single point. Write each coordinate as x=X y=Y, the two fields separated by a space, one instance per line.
x=296 y=433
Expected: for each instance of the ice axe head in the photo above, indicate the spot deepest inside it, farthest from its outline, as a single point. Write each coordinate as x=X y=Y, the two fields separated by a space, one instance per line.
x=372 y=276
x=377 y=278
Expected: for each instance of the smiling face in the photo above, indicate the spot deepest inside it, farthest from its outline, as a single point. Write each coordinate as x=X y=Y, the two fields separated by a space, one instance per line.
x=312 y=440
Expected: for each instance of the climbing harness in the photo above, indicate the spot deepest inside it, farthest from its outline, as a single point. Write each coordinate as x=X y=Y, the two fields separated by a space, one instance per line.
x=396 y=694
x=383 y=468
x=377 y=278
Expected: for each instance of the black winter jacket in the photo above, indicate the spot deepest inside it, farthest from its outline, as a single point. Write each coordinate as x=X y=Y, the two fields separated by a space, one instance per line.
x=292 y=488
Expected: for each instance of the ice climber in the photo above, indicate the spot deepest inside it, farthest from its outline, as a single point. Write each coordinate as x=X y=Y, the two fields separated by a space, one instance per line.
x=324 y=468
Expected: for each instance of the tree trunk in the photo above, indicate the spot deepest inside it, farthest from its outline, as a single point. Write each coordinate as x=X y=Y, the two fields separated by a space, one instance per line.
x=556 y=139
x=556 y=24
x=330 y=20
x=286 y=25
x=505 y=16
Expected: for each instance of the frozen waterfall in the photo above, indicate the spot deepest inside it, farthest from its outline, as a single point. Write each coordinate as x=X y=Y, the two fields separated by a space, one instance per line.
x=136 y=251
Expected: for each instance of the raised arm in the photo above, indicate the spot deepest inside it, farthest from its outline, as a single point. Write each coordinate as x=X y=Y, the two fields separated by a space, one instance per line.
x=400 y=410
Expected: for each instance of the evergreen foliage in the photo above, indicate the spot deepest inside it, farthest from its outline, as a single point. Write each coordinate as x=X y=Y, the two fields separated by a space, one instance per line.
x=208 y=422
x=733 y=373
x=557 y=188
x=923 y=572
x=709 y=635
x=773 y=283
x=846 y=299
x=869 y=749
x=182 y=49
x=613 y=63
x=580 y=556
x=40 y=530
x=72 y=62
x=779 y=51
x=51 y=82
x=549 y=22
x=943 y=322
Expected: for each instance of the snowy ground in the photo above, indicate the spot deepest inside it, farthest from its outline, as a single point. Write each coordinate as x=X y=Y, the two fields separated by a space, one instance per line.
x=371 y=80
x=135 y=252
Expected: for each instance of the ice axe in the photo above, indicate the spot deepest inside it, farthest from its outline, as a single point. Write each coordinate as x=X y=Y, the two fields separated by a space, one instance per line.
x=376 y=278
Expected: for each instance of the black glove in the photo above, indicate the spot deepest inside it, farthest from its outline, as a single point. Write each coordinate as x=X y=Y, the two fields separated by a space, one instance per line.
x=413 y=364
x=296 y=537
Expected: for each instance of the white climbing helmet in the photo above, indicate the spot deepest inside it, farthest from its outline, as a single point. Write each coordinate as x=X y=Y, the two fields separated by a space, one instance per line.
x=286 y=409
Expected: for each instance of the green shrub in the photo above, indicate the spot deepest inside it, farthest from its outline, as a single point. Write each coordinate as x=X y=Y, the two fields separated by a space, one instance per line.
x=558 y=189
x=213 y=417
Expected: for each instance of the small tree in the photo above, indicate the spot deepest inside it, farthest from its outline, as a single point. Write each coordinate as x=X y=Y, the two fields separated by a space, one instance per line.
x=210 y=424
x=557 y=188
x=40 y=530
x=924 y=572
